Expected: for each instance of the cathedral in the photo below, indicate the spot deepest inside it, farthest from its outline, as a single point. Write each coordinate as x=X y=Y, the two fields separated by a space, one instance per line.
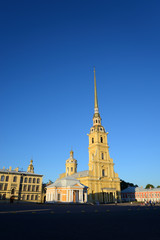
x=98 y=184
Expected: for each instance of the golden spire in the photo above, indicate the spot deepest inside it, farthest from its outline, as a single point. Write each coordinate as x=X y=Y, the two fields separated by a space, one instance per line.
x=96 y=116
x=71 y=153
x=30 y=167
x=95 y=94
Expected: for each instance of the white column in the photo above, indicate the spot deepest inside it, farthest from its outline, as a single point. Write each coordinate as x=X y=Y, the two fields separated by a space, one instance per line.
x=67 y=195
x=71 y=195
x=81 y=195
x=55 y=194
x=51 y=196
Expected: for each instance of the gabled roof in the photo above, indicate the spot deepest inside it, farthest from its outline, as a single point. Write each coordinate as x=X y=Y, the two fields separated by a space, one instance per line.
x=141 y=189
x=129 y=190
x=19 y=172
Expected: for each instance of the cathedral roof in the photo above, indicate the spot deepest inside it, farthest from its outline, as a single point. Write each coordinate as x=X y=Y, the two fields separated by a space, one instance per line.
x=81 y=174
x=68 y=181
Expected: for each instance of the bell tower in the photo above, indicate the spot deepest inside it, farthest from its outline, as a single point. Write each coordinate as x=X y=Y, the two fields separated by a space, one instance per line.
x=71 y=165
x=100 y=163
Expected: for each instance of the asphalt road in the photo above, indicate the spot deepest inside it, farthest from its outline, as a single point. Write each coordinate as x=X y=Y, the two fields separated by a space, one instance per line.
x=76 y=222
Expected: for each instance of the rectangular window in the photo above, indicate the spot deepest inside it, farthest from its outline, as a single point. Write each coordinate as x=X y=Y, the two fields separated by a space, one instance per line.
x=29 y=187
x=37 y=188
x=1 y=186
x=5 y=186
x=92 y=140
x=71 y=169
x=27 y=197
x=59 y=197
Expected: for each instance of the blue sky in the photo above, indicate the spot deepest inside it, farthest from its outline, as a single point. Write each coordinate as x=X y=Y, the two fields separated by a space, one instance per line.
x=47 y=53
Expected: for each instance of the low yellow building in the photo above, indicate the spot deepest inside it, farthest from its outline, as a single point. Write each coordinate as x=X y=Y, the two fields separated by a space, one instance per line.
x=16 y=185
x=102 y=181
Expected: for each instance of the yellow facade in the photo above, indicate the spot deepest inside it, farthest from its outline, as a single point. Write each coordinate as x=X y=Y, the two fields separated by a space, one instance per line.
x=102 y=182
x=18 y=185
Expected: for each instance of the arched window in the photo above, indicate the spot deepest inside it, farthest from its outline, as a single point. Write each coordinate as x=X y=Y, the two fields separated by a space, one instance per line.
x=25 y=188
x=102 y=155
x=12 y=191
x=7 y=178
x=15 y=179
x=29 y=187
x=37 y=188
x=38 y=180
x=33 y=188
x=96 y=121
x=32 y=197
x=92 y=140
x=103 y=172
x=30 y=180
x=36 y=197
x=2 y=178
x=101 y=139
x=34 y=180
x=25 y=180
